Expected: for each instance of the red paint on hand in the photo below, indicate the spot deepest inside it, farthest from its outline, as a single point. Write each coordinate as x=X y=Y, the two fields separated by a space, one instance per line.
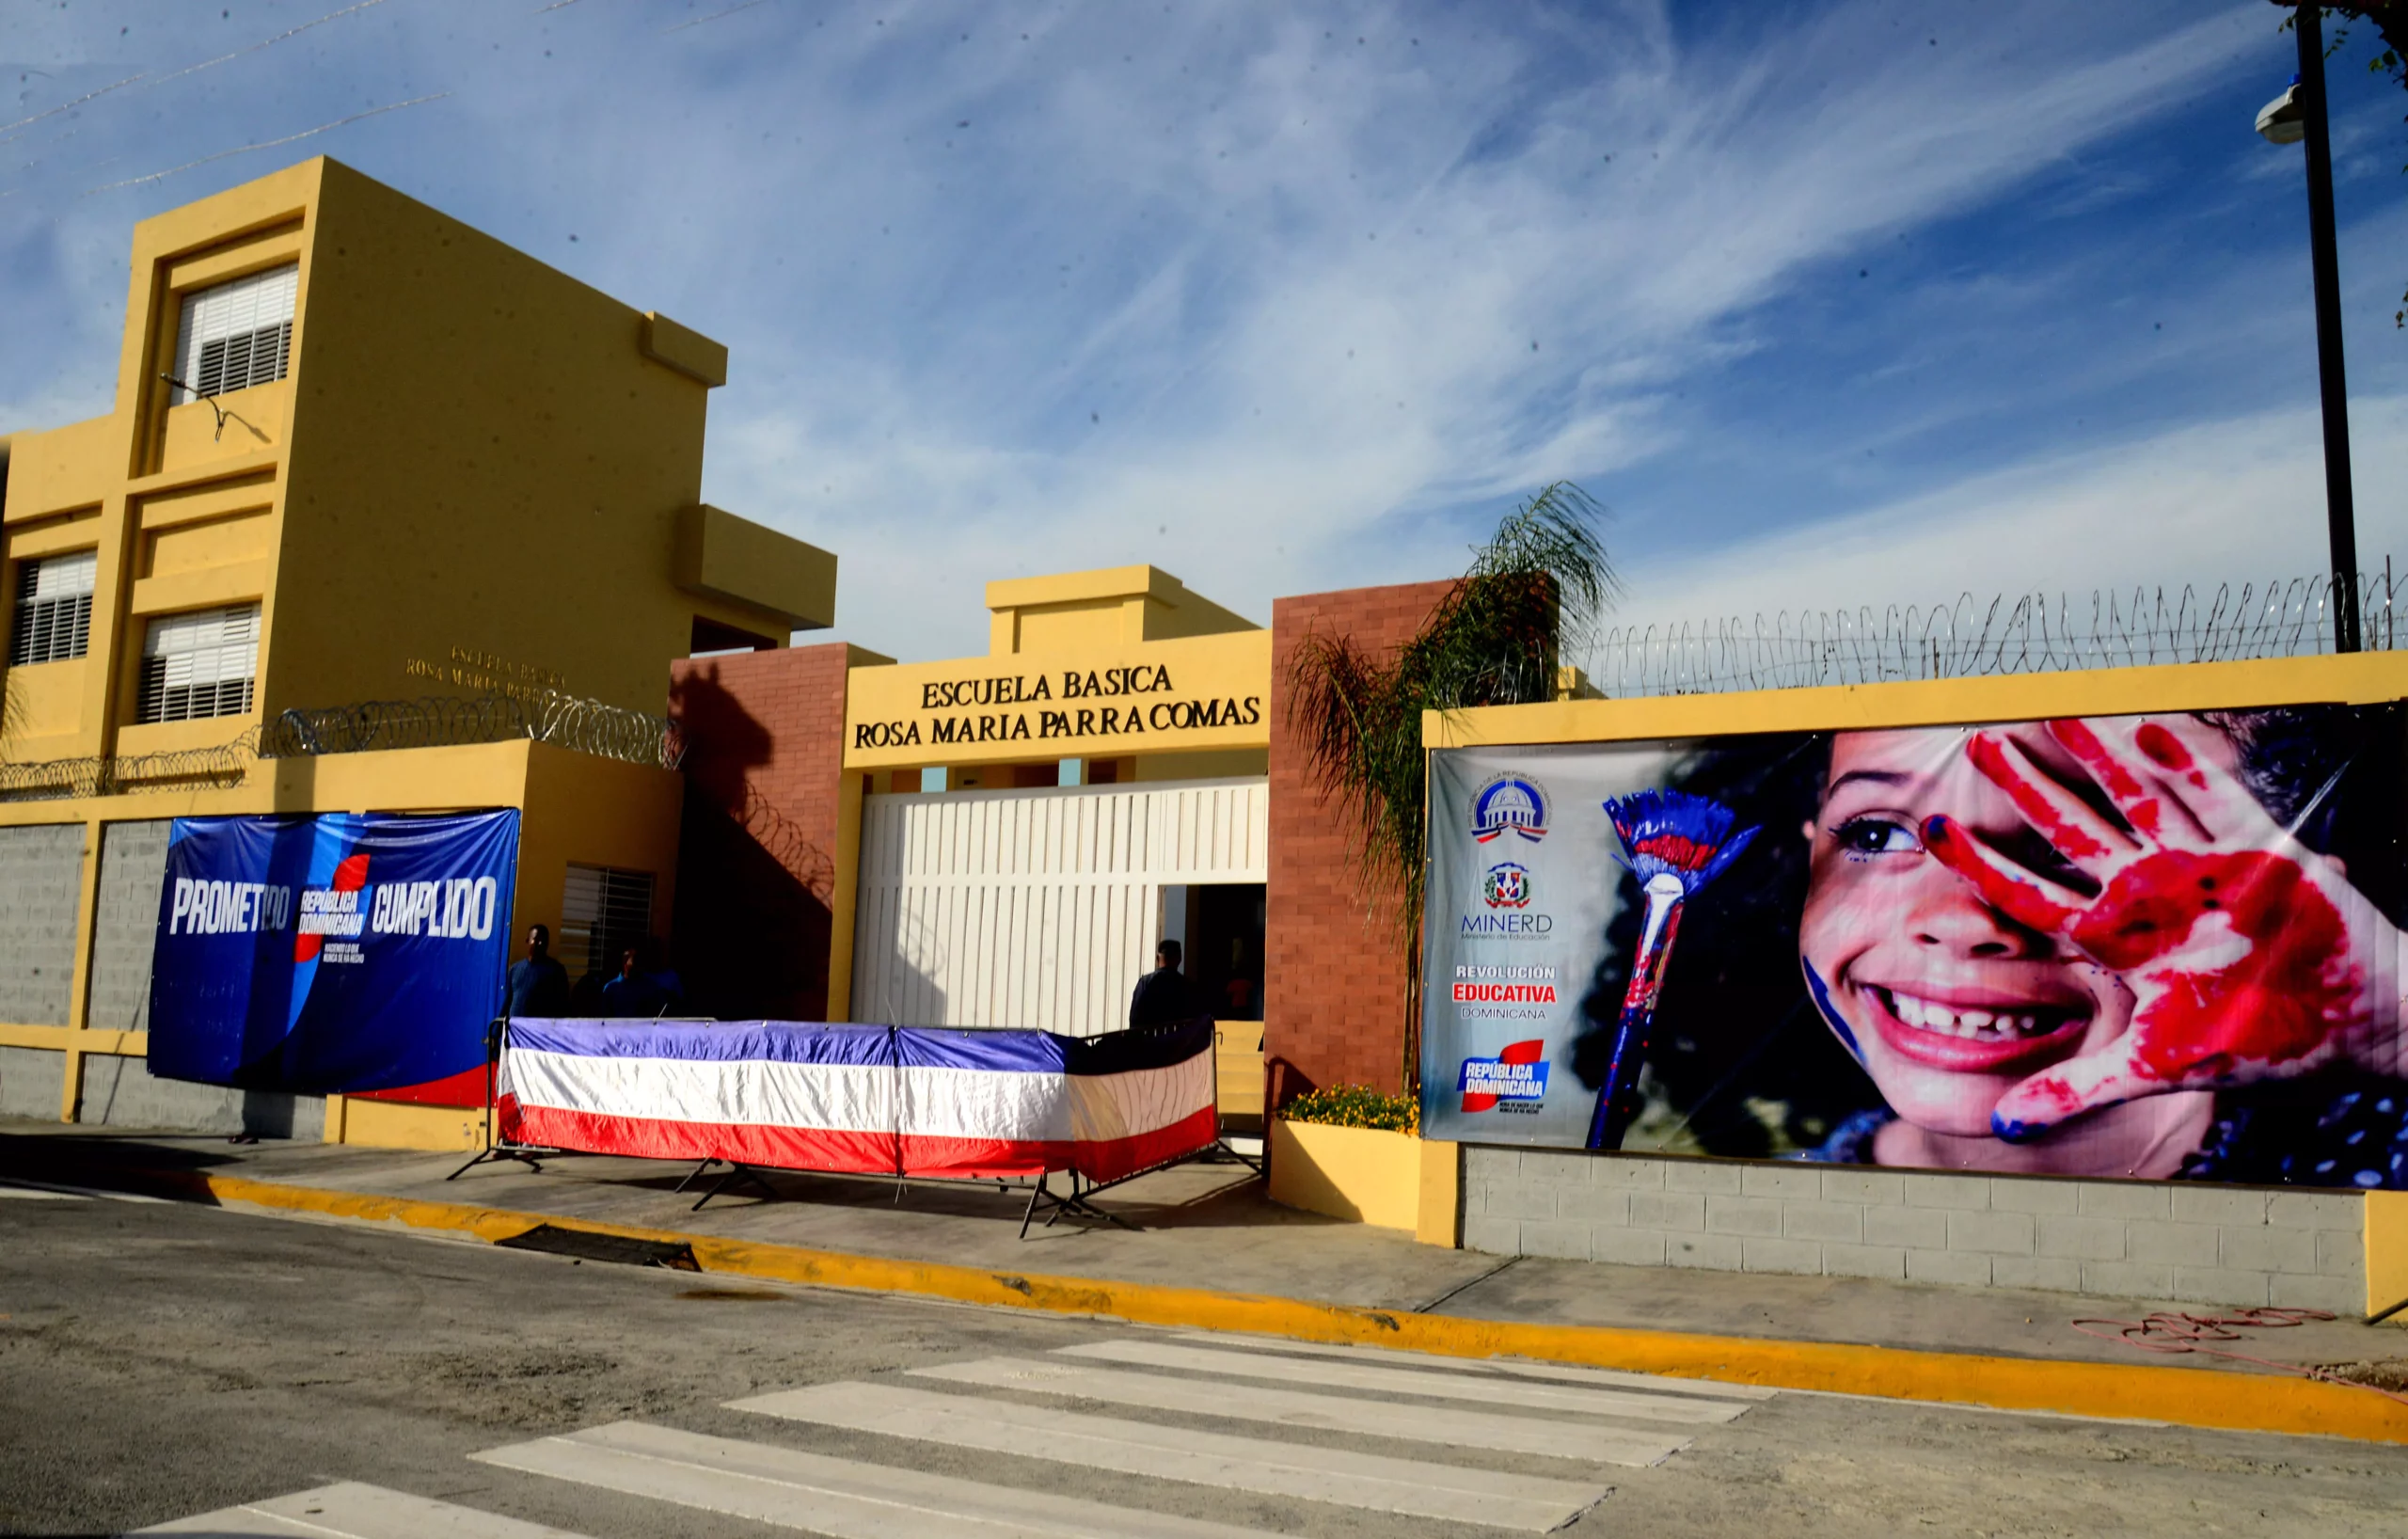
x=2164 y=748
x=2167 y=922
x=2018 y=899
x=1989 y=757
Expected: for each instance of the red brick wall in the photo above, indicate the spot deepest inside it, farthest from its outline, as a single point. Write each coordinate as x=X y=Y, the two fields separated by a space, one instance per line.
x=1333 y=982
x=757 y=855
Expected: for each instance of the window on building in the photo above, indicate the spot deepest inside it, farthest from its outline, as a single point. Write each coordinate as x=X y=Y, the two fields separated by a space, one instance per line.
x=200 y=664
x=235 y=335
x=602 y=911
x=54 y=619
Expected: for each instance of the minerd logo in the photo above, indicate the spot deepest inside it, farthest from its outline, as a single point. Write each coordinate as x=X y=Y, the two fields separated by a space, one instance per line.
x=1507 y=924
x=1509 y=804
x=1508 y=886
x=1517 y=1075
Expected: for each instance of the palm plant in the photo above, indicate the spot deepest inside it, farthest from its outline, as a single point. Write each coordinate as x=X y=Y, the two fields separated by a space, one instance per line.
x=1535 y=591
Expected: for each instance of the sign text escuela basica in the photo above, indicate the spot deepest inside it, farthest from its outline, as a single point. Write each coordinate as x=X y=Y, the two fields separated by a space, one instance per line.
x=1071 y=703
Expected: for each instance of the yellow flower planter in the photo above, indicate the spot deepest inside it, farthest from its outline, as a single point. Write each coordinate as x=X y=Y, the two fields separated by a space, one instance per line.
x=1388 y=1179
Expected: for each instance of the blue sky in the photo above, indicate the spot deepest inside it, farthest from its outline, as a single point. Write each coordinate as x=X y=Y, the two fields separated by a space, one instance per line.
x=1831 y=305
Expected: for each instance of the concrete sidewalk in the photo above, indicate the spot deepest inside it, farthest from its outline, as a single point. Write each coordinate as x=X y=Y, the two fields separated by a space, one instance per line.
x=1201 y=1227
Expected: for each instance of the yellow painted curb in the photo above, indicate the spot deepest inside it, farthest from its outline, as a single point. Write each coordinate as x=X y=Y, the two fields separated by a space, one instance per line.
x=2184 y=1396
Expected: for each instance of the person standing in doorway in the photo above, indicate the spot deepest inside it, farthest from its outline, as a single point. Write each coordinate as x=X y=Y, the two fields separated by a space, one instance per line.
x=1164 y=998
x=538 y=985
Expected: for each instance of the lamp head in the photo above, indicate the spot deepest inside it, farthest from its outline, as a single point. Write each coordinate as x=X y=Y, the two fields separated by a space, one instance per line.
x=2284 y=120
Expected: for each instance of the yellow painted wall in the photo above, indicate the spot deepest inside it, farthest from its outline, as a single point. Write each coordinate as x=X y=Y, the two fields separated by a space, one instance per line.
x=2363 y=678
x=472 y=476
x=1438 y=1216
x=483 y=460
x=2386 y=1243
x=1362 y=1174
x=476 y=464
x=44 y=707
x=1105 y=607
x=397 y=1124
x=586 y=811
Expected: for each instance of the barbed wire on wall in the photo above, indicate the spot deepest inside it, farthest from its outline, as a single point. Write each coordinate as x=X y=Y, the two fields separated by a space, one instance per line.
x=2017 y=633
x=217 y=766
x=584 y=727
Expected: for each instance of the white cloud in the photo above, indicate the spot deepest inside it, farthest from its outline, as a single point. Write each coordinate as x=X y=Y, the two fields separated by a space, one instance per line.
x=2232 y=502
x=1220 y=288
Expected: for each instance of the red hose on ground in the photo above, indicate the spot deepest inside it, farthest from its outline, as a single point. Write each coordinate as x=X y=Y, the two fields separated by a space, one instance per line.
x=2171 y=1331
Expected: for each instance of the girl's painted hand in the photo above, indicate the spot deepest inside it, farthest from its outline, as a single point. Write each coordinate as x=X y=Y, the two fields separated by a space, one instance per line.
x=2248 y=956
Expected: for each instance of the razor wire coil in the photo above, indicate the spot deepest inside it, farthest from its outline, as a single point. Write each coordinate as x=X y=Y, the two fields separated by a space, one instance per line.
x=2011 y=633
x=582 y=726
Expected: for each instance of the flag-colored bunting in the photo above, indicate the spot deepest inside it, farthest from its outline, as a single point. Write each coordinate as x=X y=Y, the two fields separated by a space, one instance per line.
x=869 y=1100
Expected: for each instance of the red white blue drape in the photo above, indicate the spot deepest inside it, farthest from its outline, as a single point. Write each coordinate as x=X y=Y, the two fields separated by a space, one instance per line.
x=869 y=1100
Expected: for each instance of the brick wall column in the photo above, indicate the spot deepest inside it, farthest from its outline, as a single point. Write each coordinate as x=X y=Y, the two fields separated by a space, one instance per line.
x=1334 y=974
x=763 y=829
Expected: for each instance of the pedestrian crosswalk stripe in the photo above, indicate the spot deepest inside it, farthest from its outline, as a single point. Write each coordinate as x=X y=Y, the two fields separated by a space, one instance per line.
x=1333 y=1413
x=1184 y=1453
x=1519 y=1367
x=20 y=1187
x=839 y=1498
x=354 y=1511
x=1379 y=1379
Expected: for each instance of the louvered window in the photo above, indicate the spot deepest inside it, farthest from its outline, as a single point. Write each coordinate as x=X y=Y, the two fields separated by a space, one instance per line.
x=602 y=911
x=53 y=620
x=237 y=334
x=200 y=664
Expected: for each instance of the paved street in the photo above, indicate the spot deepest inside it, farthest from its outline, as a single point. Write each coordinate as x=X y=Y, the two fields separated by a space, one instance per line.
x=164 y=1363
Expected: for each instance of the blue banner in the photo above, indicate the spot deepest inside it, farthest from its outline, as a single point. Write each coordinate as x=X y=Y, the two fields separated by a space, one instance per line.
x=330 y=954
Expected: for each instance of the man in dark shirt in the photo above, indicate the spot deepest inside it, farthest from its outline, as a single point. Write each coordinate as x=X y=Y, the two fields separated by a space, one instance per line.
x=1163 y=997
x=539 y=985
x=644 y=990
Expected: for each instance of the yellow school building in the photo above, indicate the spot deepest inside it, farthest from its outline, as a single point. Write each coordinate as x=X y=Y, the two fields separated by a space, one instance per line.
x=385 y=515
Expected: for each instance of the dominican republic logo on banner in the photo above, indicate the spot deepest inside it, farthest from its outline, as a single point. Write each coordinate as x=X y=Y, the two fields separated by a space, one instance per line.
x=1517 y=1074
x=1510 y=804
x=330 y=954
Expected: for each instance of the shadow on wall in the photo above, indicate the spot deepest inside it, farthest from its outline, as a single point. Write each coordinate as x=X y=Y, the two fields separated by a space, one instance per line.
x=749 y=933
x=904 y=987
x=1283 y=1082
x=751 y=923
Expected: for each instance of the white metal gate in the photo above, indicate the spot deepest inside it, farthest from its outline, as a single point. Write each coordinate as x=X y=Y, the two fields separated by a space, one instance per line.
x=1036 y=908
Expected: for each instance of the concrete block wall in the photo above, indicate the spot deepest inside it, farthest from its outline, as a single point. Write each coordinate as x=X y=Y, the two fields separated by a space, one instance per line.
x=123 y=1093
x=1334 y=981
x=134 y=865
x=41 y=871
x=32 y=1079
x=2149 y=1240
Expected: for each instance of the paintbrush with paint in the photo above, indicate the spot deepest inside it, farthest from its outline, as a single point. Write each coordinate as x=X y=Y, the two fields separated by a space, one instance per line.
x=1674 y=844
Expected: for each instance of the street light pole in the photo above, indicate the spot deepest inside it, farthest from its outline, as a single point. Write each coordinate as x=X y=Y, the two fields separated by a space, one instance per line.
x=2340 y=509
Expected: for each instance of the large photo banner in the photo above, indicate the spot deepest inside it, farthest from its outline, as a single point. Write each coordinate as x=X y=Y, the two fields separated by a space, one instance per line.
x=330 y=954
x=2157 y=946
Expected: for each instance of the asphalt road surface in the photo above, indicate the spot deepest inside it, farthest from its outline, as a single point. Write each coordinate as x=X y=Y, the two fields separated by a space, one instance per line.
x=166 y=1364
